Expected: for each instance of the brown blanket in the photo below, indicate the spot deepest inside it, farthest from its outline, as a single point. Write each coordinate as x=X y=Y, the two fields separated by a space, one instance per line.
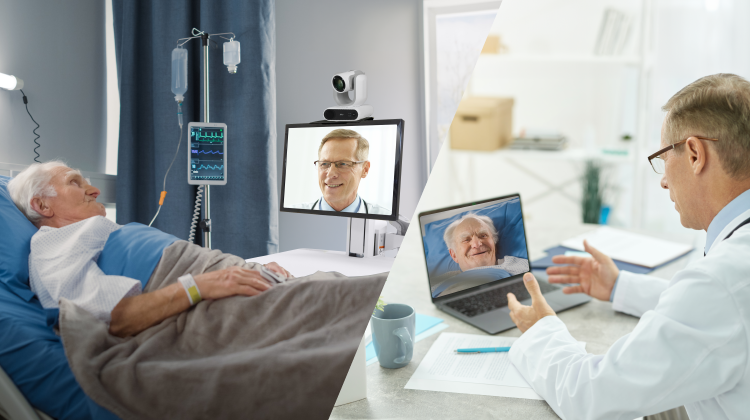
x=280 y=355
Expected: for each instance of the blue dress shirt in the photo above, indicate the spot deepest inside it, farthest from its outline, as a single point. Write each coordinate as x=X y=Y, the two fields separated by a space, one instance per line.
x=351 y=208
x=730 y=212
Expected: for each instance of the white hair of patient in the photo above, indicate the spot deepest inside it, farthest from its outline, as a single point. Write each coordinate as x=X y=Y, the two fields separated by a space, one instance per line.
x=34 y=181
x=451 y=229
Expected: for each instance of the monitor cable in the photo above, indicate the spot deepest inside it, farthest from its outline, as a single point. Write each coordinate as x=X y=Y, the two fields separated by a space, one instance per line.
x=26 y=102
x=196 y=214
x=179 y=143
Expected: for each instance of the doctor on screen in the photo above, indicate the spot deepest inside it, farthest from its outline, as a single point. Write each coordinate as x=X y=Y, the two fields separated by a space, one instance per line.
x=342 y=163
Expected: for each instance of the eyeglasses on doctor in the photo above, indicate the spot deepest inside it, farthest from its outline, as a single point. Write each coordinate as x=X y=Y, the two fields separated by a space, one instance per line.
x=341 y=164
x=657 y=159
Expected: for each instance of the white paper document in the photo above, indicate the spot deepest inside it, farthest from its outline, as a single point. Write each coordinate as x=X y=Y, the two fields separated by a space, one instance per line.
x=630 y=247
x=442 y=369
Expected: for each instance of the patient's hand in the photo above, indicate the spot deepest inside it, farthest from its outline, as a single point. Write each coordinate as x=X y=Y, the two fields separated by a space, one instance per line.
x=230 y=282
x=136 y=313
x=594 y=276
x=278 y=269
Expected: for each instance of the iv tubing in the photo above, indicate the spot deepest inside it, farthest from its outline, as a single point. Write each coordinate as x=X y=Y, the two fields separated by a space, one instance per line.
x=179 y=143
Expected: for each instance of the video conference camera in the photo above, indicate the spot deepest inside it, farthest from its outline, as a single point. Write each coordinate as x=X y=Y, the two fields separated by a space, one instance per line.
x=350 y=93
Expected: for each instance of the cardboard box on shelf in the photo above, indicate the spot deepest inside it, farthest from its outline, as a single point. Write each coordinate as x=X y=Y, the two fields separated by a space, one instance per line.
x=494 y=45
x=482 y=123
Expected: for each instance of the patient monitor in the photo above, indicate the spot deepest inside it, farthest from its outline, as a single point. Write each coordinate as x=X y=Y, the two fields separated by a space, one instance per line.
x=207 y=153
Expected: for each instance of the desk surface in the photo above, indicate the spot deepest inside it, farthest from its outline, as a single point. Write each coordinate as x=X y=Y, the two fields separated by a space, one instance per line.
x=303 y=262
x=594 y=322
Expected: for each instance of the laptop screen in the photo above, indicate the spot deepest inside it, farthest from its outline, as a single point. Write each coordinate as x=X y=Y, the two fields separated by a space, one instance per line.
x=474 y=244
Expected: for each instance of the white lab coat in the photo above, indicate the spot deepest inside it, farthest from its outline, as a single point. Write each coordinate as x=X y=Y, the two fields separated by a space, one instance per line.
x=369 y=208
x=690 y=347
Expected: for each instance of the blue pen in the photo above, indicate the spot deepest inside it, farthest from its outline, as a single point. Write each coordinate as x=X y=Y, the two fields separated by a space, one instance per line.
x=484 y=350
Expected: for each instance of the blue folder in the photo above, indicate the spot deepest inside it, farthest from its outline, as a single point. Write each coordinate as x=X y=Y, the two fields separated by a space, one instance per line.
x=545 y=262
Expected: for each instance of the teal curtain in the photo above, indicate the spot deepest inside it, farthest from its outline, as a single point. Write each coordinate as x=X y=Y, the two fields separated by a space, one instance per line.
x=244 y=213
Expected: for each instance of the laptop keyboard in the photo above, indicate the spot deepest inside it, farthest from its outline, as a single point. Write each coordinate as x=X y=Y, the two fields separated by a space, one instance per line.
x=480 y=303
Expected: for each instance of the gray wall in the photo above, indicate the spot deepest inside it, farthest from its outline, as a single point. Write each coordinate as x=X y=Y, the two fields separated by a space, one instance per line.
x=317 y=39
x=58 y=49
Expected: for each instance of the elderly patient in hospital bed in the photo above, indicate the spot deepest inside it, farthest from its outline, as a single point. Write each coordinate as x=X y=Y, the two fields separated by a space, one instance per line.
x=72 y=233
x=239 y=334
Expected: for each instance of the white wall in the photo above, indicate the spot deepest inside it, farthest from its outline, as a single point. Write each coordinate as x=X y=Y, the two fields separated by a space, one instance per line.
x=314 y=41
x=692 y=39
x=58 y=49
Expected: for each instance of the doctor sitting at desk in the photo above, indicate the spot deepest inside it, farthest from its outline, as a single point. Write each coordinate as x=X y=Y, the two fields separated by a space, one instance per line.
x=691 y=345
x=342 y=163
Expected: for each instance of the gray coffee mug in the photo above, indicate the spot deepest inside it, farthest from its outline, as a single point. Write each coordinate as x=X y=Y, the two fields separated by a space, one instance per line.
x=393 y=335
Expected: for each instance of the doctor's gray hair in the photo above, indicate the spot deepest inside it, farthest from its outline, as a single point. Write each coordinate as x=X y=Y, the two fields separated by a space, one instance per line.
x=33 y=181
x=450 y=231
x=363 y=146
x=716 y=106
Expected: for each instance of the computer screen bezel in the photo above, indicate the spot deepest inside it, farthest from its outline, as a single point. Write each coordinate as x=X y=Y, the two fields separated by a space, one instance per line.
x=189 y=157
x=338 y=124
x=481 y=286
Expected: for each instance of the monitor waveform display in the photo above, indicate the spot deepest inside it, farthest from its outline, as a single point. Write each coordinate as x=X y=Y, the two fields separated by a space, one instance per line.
x=207 y=153
x=214 y=167
x=207 y=135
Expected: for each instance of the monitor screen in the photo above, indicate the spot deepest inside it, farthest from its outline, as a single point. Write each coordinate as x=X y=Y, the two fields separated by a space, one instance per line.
x=475 y=244
x=343 y=169
x=207 y=148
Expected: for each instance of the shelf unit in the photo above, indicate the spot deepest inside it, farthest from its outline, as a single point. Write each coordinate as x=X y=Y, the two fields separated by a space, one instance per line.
x=593 y=100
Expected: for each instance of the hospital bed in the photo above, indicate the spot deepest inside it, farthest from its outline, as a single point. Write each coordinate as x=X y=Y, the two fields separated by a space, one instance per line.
x=13 y=405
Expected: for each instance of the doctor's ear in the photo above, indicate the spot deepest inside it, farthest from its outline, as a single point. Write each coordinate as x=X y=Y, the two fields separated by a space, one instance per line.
x=365 y=169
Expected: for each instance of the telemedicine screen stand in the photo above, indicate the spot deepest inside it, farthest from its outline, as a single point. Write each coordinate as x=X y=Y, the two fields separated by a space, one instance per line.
x=357 y=230
x=371 y=238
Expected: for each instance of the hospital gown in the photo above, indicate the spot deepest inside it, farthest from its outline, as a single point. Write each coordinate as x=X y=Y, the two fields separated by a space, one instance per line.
x=63 y=263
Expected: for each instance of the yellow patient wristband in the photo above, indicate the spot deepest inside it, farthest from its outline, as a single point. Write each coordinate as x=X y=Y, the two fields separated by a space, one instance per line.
x=188 y=282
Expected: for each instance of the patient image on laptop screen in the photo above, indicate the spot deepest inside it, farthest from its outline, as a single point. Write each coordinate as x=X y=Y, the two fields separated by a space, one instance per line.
x=474 y=245
x=347 y=169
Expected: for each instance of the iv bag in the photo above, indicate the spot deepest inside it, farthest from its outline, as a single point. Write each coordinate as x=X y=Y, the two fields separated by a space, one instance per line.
x=232 y=55
x=179 y=73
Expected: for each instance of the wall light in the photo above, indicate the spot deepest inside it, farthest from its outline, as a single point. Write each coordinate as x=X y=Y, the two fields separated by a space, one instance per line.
x=9 y=82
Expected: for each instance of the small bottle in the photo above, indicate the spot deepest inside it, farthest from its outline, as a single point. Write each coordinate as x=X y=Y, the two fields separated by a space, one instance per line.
x=232 y=55
x=179 y=73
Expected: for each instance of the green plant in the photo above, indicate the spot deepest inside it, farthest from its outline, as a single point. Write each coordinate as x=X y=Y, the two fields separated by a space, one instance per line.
x=593 y=191
x=380 y=306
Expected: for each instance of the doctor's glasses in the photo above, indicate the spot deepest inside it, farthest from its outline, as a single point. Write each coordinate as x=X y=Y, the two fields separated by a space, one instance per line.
x=657 y=159
x=342 y=165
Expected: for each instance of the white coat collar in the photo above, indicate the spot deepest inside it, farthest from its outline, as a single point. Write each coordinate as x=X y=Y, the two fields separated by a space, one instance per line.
x=728 y=228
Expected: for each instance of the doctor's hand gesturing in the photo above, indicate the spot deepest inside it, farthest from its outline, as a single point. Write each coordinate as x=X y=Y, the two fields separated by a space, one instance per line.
x=526 y=316
x=594 y=276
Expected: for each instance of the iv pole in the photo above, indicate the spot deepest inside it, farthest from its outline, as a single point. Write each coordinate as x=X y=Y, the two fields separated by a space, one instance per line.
x=205 y=223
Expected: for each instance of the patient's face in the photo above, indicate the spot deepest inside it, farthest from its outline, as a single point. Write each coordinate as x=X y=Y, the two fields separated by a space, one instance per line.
x=339 y=186
x=75 y=200
x=473 y=245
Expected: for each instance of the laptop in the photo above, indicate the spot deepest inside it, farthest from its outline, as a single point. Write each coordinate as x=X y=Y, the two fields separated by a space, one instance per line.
x=475 y=254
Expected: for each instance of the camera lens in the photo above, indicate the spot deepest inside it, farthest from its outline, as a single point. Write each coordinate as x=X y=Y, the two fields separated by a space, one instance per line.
x=338 y=83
